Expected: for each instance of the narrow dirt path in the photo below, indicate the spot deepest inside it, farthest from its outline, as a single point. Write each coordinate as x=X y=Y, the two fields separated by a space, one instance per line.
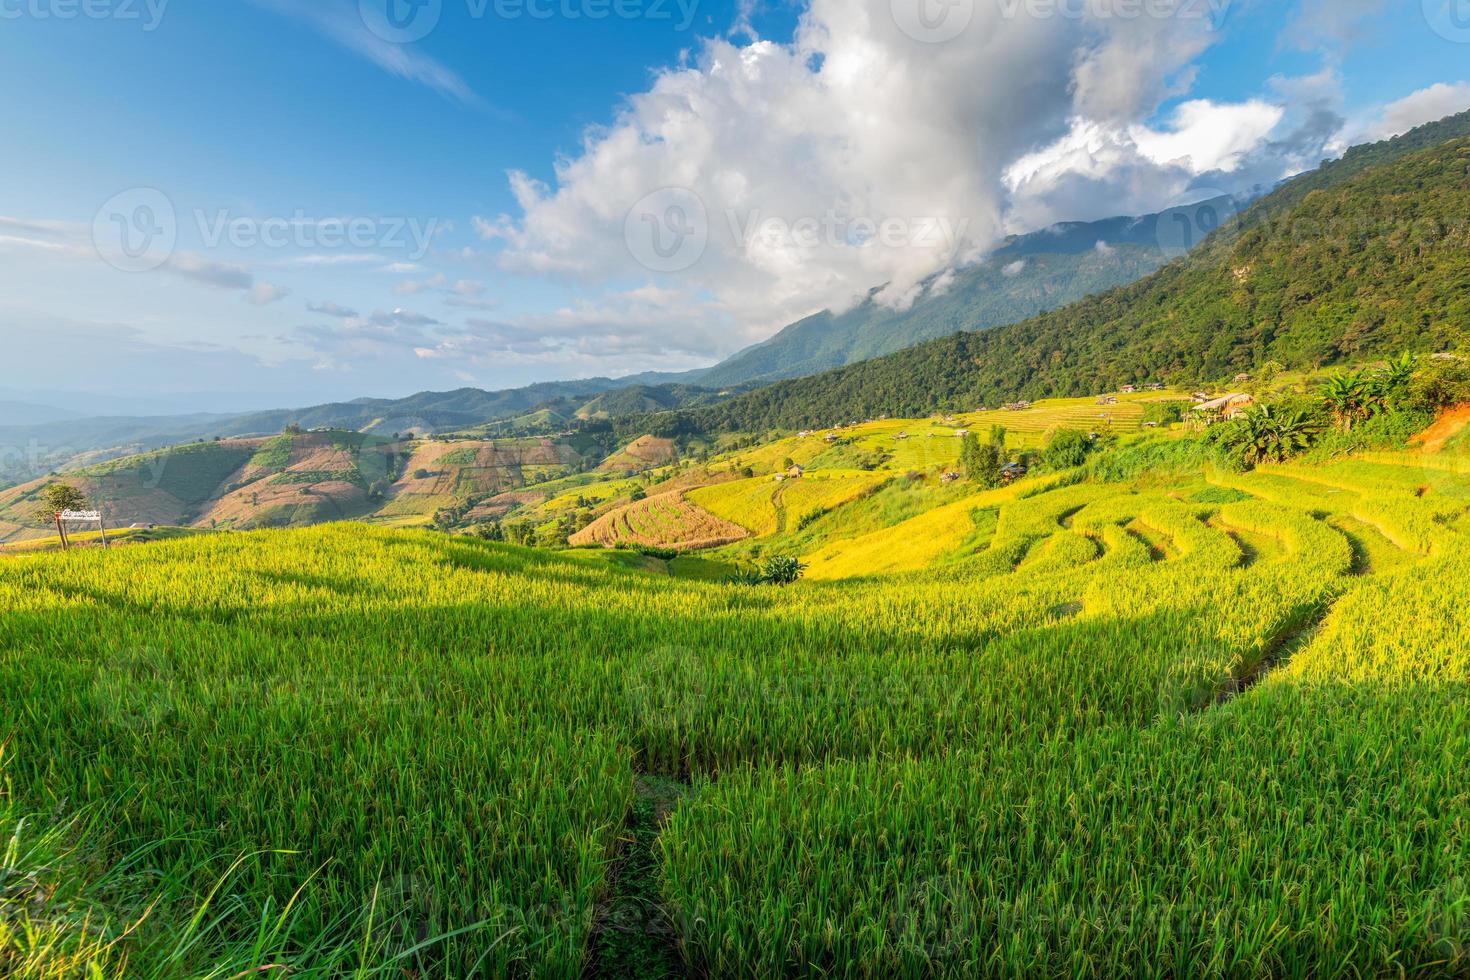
x=633 y=937
x=778 y=501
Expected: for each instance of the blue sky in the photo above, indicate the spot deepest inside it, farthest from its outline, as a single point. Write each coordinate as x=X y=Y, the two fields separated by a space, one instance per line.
x=493 y=170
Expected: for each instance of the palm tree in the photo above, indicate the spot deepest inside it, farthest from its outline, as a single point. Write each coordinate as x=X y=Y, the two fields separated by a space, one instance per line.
x=1348 y=397
x=1268 y=434
x=1393 y=379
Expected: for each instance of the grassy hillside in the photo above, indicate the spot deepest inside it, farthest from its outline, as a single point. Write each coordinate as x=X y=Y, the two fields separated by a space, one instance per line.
x=300 y=479
x=1189 y=722
x=1373 y=259
x=535 y=410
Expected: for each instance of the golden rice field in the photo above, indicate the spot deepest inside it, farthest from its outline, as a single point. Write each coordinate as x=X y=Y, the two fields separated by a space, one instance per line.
x=667 y=520
x=1210 y=726
x=763 y=506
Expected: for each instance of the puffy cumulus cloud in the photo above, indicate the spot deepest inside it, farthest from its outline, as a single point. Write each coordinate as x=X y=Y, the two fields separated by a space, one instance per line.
x=1201 y=148
x=854 y=155
x=1424 y=106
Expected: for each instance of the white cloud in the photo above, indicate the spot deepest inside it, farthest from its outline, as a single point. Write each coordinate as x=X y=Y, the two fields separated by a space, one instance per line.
x=1424 y=106
x=1201 y=149
x=852 y=125
x=1204 y=135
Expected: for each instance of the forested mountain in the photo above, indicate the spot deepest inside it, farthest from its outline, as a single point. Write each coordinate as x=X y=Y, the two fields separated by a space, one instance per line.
x=1369 y=256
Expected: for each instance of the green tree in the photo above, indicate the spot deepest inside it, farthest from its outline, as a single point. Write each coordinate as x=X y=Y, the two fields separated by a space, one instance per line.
x=58 y=497
x=981 y=461
x=1066 y=448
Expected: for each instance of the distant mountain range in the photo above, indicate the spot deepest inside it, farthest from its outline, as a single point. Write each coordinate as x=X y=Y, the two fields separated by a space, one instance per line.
x=28 y=413
x=1029 y=274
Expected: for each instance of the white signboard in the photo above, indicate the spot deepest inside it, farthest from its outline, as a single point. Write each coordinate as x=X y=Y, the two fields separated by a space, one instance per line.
x=81 y=515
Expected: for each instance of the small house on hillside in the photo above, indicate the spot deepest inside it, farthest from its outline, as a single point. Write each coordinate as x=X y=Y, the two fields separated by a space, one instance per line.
x=1241 y=379
x=1226 y=406
x=950 y=477
x=1012 y=472
x=795 y=473
x=1129 y=389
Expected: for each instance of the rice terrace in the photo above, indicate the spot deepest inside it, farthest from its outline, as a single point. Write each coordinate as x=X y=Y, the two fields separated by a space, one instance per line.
x=1081 y=593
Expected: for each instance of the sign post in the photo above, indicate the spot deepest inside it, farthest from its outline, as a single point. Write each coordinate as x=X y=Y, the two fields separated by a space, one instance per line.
x=79 y=517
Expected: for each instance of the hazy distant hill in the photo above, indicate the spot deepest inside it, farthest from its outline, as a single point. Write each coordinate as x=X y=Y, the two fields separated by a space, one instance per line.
x=26 y=413
x=28 y=451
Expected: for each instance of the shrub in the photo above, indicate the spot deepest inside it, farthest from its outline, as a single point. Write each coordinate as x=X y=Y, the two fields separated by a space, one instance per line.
x=1066 y=449
x=782 y=570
